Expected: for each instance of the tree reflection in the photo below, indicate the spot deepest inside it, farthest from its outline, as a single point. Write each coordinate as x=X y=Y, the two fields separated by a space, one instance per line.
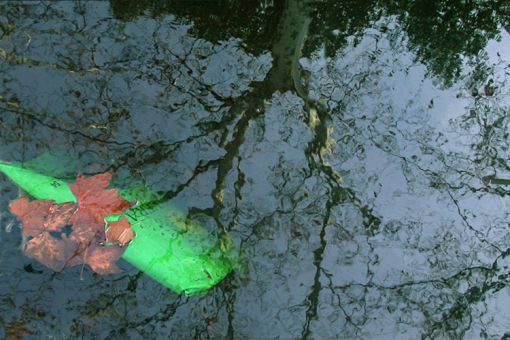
x=252 y=21
x=357 y=213
x=443 y=33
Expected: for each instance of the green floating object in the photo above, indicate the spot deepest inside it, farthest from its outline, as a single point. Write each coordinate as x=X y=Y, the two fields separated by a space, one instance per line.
x=182 y=257
x=38 y=186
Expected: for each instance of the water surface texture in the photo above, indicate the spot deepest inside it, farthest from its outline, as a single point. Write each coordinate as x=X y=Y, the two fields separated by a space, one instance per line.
x=356 y=151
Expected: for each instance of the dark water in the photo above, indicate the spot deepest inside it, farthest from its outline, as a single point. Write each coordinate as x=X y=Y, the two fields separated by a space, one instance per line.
x=356 y=151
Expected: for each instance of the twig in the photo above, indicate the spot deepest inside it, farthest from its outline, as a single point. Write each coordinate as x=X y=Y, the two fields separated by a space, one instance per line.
x=29 y=39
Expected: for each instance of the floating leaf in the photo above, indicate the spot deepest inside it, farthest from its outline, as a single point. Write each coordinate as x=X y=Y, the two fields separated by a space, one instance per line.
x=43 y=221
x=95 y=202
x=38 y=216
x=75 y=260
x=52 y=252
x=87 y=228
x=32 y=214
x=93 y=197
x=59 y=216
x=102 y=259
x=120 y=232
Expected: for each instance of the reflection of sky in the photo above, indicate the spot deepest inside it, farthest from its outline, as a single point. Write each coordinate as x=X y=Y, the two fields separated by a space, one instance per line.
x=415 y=167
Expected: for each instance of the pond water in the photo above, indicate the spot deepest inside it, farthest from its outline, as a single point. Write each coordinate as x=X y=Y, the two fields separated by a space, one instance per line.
x=355 y=151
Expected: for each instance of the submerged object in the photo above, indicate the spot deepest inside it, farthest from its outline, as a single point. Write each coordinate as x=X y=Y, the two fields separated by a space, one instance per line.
x=182 y=257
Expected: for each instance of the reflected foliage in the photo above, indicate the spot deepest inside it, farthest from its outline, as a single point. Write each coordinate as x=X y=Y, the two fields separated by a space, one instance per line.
x=252 y=21
x=441 y=32
x=334 y=21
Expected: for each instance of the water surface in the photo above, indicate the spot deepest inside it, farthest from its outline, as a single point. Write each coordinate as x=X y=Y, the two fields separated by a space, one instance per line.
x=356 y=151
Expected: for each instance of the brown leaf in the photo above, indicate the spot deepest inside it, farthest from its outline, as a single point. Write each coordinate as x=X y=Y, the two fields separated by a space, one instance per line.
x=92 y=196
x=87 y=228
x=120 y=232
x=52 y=252
x=41 y=219
x=83 y=184
x=95 y=202
x=59 y=215
x=32 y=214
x=102 y=259
x=38 y=216
x=77 y=259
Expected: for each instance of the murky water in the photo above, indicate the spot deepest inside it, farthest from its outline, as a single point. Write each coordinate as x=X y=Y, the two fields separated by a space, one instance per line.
x=356 y=151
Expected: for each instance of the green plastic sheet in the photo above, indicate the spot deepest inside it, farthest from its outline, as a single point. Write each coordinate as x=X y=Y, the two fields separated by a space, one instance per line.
x=179 y=255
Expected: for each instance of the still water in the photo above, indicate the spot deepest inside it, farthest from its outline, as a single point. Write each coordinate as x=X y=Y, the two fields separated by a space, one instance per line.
x=356 y=151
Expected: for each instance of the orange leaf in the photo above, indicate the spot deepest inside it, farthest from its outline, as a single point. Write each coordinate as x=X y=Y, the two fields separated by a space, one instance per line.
x=59 y=216
x=50 y=251
x=102 y=259
x=93 y=196
x=120 y=232
x=38 y=216
x=94 y=204
x=87 y=228
x=75 y=260
x=42 y=220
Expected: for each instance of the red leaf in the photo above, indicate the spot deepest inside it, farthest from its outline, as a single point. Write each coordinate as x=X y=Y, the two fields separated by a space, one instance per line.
x=93 y=196
x=52 y=252
x=87 y=228
x=38 y=216
x=95 y=202
x=90 y=184
x=120 y=232
x=102 y=259
x=59 y=216
x=31 y=213
x=77 y=259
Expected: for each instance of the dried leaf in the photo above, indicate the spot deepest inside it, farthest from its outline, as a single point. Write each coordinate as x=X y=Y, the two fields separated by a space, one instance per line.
x=102 y=259
x=59 y=216
x=39 y=216
x=87 y=228
x=77 y=259
x=52 y=252
x=84 y=185
x=119 y=232
x=42 y=219
x=92 y=196
x=94 y=204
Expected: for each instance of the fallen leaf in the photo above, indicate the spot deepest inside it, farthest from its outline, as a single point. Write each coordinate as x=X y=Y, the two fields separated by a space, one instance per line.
x=43 y=221
x=38 y=216
x=32 y=214
x=93 y=196
x=119 y=232
x=75 y=260
x=102 y=259
x=84 y=185
x=52 y=252
x=95 y=202
x=86 y=229
x=59 y=216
